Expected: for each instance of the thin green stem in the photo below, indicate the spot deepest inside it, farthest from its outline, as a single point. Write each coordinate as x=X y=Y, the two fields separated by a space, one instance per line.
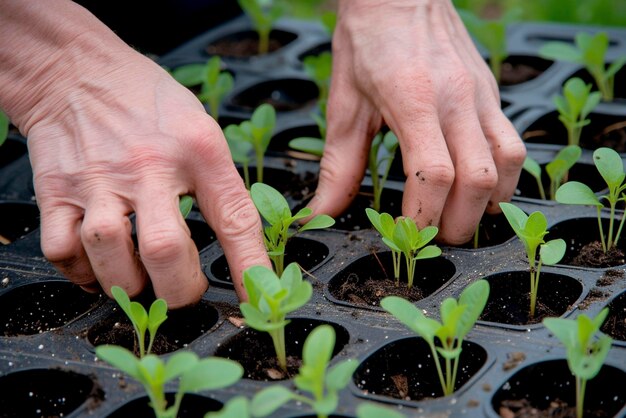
x=534 y=288
x=259 y=163
x=264 y=41
x=278 y=338
x=141 y=338
x=599 y=209
x=476 y=235
x=455 y=365
x=397 y=258
x=442 y=381
x=496 y=68
x=609 y=243
x=580 y=396
x=619 y=231
x=246 y=176
x=410 y=269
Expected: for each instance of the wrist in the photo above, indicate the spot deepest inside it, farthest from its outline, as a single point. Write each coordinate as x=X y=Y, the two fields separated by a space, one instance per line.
x=48 y=50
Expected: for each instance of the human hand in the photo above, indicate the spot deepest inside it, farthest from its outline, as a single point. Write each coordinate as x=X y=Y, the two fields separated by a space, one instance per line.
x=110 y=133
x=411 y=65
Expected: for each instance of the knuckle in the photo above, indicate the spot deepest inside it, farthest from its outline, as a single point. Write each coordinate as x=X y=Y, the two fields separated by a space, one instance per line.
x=512 y=155
x=440 y=175
x=161 y=245
x=103 y=229
x=484 y=178
x=239 y=217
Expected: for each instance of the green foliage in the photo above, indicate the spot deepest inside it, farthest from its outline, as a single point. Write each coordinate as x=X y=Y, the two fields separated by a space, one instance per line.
x=263 y=14
x=403 y=238
x=379 y=163
x=373 y=410
x=611 y=168
x=491 y=34
x=214 y=83
x=4 y=127
x=586 y=351
x=254 y=134
x=574 y=106
x=311 y=145
x=315 y=377
x=590 y=51
x=185 y=204
x=457 y=320
x=557 y=169
x=193 y=374
x=276 y=212
x=531 y=230
x=141 y=319
x=237 y=407
x=270 y=299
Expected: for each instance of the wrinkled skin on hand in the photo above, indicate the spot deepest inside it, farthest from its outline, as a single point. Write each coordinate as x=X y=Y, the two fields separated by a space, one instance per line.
x=110 y=134
x=411 y=65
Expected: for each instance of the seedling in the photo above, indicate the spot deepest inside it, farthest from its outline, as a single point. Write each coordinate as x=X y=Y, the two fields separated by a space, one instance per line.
x=557 y=169
x=379 y=165
x=142 y=321
x=311 y=145
x=271 y=299
x=586 y=350
x=274 y=208
x=185 y=204
x=319 y=68
x=263 y=14
x=457 y=320
x=531 y=230
x=491 y=34
x=4 y=127
x=214 y=83
x=315 y=378
x=611 y=168
x=589 y=51
x=574 y=106
x=153 y=373
x=254 y=134
x=403 y=238
x=372 y=410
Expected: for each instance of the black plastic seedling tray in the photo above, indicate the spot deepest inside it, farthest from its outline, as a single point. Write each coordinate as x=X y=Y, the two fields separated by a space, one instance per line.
x=49 y=327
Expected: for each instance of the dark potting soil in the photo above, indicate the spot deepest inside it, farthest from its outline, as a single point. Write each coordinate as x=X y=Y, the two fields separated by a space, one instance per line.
x=522 y=408
x=613 y=136
x=592 y=255
x=246 y=44
x=515 y=73
x=370 y=291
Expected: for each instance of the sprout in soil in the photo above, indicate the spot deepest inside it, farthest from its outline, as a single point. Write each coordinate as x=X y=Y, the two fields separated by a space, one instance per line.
x=457 y=320
x=491 y=34
x=141 y=319
x=263 y=14
x=275 y=210
x=315 y=377
x=311 y=145
x=589 y=51
x=4 y=127
x=404 y=239
x=574 y=106
x=214 y=83
x=270 y=299
x=531 y=230
x=586 y=348
x=154 y=374
x=611 y=168
x=379 y=163
x=252 y=135
x=557 y=169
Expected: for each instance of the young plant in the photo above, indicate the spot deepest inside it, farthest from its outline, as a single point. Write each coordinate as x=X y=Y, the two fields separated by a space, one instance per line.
x=457 y=320
x=491 y=34
x=153 y=373
x=531 y=230
x=185 y=204
x=611 y=168
x=274 y=208
x=379 y=165
x=271 y=299
x=311 y=145
x=589 y=51
x=142 y=320
x=315 y=377
x=586 y=349
x=214 y=83
x=557 y=169
x=4 y=127
x=574 y=106
x=254 y=134
x=373 y=410
x=319 y=68
x=404 y=239
x=263 y=14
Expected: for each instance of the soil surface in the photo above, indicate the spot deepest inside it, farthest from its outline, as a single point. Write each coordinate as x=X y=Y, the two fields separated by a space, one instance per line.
x=241 y=48
x=512 y=74
x=592 y=255
x=521 y=408
x=370 y=291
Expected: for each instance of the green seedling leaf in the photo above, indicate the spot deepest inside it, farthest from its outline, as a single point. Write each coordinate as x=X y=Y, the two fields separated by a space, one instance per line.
x=268 y=400
x=372 y=410
x=189 y=75
x=313 y=146
x=576 y=193
x=532 y=167
x=381 y=156
x=237 y=407
x=120 y=358
x=263 y=14
x=179 y=363
x=209 y=374
x=552 y=251
x=271 y=298
x=185 y=205
x=610 y=166
x=339 y=375
x=4 y=127
x=274 y=208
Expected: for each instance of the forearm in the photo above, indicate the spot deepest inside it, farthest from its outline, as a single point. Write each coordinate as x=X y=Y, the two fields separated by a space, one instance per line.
x=49 y=47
